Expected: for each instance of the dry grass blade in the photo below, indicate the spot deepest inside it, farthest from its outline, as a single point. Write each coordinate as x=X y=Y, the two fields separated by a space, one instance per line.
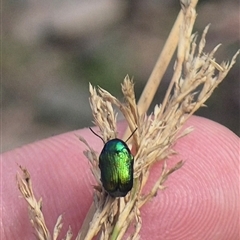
x=58 y=227
x=161 y=64
x=103 y=113
x=35 y=207
x=37 y=220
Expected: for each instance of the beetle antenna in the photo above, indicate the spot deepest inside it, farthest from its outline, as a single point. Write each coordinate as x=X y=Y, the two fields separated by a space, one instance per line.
x=97 y=135
x=131 y=135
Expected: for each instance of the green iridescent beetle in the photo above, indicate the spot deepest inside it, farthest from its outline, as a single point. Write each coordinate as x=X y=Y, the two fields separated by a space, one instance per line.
x=116 y=165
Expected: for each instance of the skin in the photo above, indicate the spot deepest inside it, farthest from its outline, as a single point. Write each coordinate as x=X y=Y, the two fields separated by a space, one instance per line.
x=200 y=201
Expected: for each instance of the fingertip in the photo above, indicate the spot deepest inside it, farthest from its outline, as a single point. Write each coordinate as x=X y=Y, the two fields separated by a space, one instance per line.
x=201 y=200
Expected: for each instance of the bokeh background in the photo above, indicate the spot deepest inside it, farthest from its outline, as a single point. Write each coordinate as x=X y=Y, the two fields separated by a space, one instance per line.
x=51 y=50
